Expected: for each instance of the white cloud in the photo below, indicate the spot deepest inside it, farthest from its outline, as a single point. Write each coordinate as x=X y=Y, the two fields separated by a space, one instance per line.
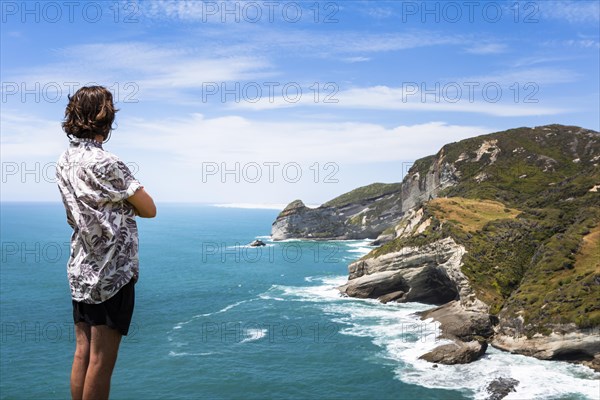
x=586 y=43
x=26 y=136
x=251 y=39
x=353 y=60
x=175 y=9
x=379 y=12
x=487 y=48
x=195 y=137
x=166 y=73
x=539 y=76
x=235 y=11
x=150 y=67
x=571 y=11
x=169 y=154
x=534 y=60
x=234 y=138
x=461 y=96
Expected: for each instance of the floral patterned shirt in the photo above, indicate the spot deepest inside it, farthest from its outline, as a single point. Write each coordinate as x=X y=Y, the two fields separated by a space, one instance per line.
x=104 y=245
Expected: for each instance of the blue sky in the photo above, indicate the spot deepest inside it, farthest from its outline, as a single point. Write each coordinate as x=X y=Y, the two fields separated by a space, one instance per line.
x=269 y=101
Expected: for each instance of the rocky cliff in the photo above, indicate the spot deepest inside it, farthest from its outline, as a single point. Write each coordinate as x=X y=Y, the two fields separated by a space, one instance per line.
x=501 y=231
x=368 y=211
x=364 y=212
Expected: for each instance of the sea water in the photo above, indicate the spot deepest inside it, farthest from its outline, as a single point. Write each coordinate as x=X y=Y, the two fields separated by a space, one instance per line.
x=217 y=319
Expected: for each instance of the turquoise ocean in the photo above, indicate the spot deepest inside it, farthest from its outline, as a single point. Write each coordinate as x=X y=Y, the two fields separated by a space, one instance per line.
x=216 y=319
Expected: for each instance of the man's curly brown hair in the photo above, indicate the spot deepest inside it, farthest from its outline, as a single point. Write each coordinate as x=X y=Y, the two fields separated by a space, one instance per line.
x=90 y=112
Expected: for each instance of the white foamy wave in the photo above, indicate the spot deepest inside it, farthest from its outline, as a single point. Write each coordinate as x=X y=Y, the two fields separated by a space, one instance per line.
x=227 y=308
x=369 y=318
x=315 y=293
x=537 y=379
x=328 y=280
x=360 y=247
x=332 y=282
x=184 y=354
x=254 y=334
x=559 y=378
x=357 y=243
x=265 y=296
x=403 y=337
x=350 y=259
x=361 y=250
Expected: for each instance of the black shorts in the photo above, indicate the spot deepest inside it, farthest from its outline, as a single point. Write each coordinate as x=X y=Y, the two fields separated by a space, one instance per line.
x=115 y=312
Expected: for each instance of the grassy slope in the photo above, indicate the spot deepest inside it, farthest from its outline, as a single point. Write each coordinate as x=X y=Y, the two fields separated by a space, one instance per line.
x=468 y=214
x=365 y=192
x=563 y=283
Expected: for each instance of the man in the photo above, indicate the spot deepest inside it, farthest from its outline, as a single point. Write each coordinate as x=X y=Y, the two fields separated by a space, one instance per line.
x=101 y=198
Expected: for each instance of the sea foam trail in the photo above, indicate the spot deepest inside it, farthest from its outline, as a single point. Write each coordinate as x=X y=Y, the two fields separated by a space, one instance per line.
x=186 y=354
x=403 y=337
x=180 y=325
x=253 y=335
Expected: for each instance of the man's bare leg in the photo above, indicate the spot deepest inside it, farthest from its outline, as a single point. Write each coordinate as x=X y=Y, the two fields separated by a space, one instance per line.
x=104 y=347
x=80 y=359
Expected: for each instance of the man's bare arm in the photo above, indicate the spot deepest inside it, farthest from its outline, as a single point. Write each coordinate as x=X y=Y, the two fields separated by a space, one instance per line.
x=143 y=203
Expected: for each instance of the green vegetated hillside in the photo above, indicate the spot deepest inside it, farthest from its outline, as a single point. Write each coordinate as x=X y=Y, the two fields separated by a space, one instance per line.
x=526 y=208
x=365 y=192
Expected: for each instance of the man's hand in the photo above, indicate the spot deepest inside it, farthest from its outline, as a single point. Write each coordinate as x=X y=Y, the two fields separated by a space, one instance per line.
x=142 y=204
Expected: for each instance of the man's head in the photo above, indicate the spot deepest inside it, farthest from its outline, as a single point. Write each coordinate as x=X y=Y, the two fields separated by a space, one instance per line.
x=90 y=112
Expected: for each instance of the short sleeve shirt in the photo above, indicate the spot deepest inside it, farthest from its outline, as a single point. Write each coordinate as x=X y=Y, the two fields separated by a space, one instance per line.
x=94 y=185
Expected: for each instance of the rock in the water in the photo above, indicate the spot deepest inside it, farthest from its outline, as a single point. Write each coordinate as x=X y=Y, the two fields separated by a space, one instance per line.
x=499 y=388
x=257 y=243
x=466 y=327
x=458 y=352
x=456 y=320
x=391 y=296
x=594 y=363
